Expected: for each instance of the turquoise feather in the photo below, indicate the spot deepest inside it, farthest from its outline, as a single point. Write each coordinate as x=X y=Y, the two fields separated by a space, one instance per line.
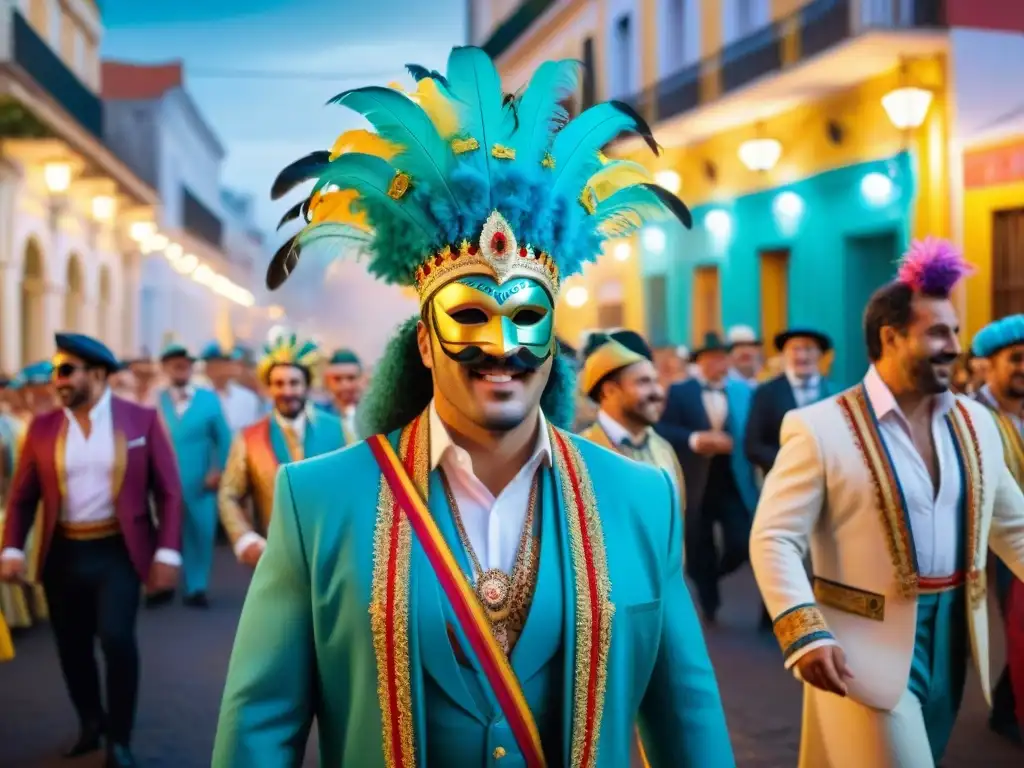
x=475 y=84
x=371 y=177
x=424 y=155
x=540 y=109
x=627 y=209
x=576 y=146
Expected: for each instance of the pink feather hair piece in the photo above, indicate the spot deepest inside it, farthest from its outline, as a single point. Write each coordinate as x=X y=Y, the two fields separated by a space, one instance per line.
x=933 y=266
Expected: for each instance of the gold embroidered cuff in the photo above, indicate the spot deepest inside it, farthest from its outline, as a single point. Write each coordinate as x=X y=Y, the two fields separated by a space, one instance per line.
x=798 y=627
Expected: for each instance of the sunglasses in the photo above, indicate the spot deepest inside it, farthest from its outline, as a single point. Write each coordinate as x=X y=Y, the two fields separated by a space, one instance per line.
x=65 y=370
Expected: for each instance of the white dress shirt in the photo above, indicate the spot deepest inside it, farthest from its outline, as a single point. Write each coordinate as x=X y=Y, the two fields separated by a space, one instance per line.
x=933 y=516
x=806 y=391
x=182 y=398
x=617 y=433
x=241 y=406
x=89 y=466
x=494 y=525
x=716 y=406
x=348 y=420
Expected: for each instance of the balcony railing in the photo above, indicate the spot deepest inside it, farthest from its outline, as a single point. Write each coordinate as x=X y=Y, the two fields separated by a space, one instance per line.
x=201 y=221
x=36 y=59
x=820 y=26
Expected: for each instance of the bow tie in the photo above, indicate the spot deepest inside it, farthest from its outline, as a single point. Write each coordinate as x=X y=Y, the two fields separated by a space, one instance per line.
x=635 y=446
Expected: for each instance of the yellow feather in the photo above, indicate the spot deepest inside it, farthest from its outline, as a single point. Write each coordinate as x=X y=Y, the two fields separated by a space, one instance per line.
x=364 y=142
x=336 y=206
x=618 y=175
x=439 y=108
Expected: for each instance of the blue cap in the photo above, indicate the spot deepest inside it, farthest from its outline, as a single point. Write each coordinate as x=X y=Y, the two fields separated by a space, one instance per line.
x=174 y=350
x=92 y=351
x=36 y=374
x=214 y=351
x=999 y=335
x=18 y=381
x=344 y=357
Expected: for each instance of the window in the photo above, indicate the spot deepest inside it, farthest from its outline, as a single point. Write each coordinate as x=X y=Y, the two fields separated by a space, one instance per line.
x=707 y=303
x=589 y=94
x=1007 y=262
x=39 y=18
x=610 y=315
x=657 y=310
x=622 y=60
x=677 y=33
x=746 y=17
x=68 y=33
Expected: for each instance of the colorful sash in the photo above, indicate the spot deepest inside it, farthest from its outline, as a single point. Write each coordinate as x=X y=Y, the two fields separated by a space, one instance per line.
x=863 y=423
x=1013 y=445
x=403 y=511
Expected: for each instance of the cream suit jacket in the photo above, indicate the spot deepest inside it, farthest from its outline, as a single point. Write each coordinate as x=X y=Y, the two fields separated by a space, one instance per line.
x=820 y=495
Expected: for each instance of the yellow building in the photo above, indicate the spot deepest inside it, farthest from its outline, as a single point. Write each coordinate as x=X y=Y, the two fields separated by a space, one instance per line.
x=810 y=138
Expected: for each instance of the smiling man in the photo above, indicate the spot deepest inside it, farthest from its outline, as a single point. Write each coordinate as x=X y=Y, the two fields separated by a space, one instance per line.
x=898 y=488
x=472 y=583
x=293 y=432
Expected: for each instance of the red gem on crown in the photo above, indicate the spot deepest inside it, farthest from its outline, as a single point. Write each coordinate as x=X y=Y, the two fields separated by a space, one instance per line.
x=499 y=243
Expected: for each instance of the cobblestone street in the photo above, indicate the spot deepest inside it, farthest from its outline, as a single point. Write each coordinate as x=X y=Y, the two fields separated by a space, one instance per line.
x=185 y=654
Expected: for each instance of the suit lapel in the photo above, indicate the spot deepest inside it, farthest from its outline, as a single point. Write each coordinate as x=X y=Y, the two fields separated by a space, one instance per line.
x=786 y=395
x=969 y=454
x=704 y=421
x=60 y=457
x=278 y=445
x=119 y=418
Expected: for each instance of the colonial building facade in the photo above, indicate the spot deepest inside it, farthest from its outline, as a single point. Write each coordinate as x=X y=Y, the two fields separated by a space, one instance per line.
x=67 y=202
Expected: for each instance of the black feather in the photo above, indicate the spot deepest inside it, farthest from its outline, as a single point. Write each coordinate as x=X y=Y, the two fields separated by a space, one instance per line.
x=419 y=73
x=511 y=102
x=642 y=128
x=303 y=169
x=295 y=212
x=283 y=264
x=594 y=341
x=673 y=203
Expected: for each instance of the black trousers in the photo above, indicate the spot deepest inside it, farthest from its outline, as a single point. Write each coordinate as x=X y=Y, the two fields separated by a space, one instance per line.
x=93 y=593
x=1004 y=705
x=705 y=563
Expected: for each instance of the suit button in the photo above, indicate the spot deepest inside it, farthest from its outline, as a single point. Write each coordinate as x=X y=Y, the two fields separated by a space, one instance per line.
x=499 y=752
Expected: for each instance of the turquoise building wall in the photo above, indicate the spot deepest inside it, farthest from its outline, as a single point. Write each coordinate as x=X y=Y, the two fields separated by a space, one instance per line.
x=842 y=245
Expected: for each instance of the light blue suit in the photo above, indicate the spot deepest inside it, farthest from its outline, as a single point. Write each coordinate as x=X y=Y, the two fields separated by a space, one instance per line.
x=201 y=439
x=304 y=646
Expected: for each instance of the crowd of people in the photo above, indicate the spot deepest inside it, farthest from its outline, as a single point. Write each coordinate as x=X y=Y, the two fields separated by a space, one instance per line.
x=462 y=569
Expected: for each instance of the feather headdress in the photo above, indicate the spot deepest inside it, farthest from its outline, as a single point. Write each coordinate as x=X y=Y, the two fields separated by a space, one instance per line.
x=933 y=267
x=287 y=350
x=459 y=178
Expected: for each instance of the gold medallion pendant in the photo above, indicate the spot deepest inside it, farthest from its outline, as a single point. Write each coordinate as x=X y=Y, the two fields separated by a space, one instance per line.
x=494 y=588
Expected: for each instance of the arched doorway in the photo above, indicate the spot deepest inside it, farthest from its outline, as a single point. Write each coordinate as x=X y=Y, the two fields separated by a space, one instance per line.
x=32 y=318
x=103 y=324
x=74 y=295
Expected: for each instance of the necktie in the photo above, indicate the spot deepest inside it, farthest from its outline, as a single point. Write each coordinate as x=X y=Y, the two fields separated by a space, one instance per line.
x=292 y=441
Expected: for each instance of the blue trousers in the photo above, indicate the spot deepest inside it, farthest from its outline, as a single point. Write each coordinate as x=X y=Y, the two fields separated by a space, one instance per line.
x=198 y=531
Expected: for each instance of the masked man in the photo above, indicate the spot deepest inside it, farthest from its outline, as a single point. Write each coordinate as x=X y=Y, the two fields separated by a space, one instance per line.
x=1001 y=344
x=898 y=488
x=519 y=588
x=201 y=439
x=95 y=465
x=619 y=375
x=292 y=433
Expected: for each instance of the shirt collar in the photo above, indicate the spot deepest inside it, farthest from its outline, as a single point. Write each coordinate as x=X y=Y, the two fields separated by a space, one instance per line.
x=883 y=402
x=298 y=423
x=616 y=432
x=811 y=382
x=441 y=441
x=98 y=411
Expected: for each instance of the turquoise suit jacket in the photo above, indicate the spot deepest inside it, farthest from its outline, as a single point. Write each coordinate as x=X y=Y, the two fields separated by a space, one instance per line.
x=305 y=649
x=201 y=439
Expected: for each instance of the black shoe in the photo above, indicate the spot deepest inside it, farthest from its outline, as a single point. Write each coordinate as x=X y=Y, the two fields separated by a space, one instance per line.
x=197 y=600
x=1009 y=731
x=157 y=599
x=90 y=739
x=120 y=756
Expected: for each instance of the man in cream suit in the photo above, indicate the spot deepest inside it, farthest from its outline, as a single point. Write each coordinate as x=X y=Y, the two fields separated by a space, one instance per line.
x=898 y=488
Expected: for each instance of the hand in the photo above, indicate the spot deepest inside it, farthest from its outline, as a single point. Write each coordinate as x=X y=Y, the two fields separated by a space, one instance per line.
x=723 y=442
x=162 y=577
x=212 y=480
x=251 y=554
x=12 y=570
x=825 y=668
x=712 y=443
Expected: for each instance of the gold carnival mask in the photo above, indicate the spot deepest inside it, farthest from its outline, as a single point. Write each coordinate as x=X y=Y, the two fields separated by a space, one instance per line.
x=475 y=317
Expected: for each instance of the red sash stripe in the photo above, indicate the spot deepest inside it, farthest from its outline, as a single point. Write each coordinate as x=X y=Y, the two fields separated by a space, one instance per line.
x=467 y=608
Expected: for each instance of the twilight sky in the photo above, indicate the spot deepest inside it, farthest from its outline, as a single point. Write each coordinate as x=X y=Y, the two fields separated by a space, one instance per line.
x=265 y=122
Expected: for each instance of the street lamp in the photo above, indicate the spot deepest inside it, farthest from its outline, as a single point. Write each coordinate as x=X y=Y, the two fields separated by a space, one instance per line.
x=103 y=208
x=57 y=177
x=576 y=296
x=907 y=107
x=760 y=154
x=670 y=180
x=141 y=231
x=622 y=251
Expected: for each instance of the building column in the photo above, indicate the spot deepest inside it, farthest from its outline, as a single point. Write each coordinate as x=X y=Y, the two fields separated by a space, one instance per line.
x=10 y=318
x=53 y=297
x=126 y=310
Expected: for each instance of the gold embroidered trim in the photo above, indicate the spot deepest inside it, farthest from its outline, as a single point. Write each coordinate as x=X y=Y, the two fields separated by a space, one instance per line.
x=857 y=411
x=849 y=599
x=399 y=186
x=398 y=639
x=501 y=152
x=120 y=463
x=585 y=631
x=799 y=627
x=1013 y=445
x=461 y=146
x=588 y=199
x=970 y=451
x=548 y=161
x=60 y=461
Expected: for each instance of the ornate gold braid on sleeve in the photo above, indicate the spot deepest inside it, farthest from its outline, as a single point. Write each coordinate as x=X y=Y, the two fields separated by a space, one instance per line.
x=798 y=627
x=234 y=488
